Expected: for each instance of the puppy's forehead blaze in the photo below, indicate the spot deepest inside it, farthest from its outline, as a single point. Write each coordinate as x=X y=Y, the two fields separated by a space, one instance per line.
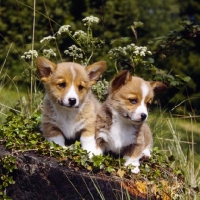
x=145 y=89
x=147 y=92
x=70 y=72
x=136 y=89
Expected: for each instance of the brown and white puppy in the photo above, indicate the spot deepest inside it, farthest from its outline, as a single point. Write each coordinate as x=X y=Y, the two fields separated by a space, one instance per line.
x=69 y=106
x=120 y=125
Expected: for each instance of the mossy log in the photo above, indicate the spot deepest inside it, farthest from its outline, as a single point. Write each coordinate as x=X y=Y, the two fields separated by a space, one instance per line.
x=43 y=178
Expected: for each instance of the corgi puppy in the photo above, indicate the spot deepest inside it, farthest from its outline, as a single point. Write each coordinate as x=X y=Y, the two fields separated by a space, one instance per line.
x=70 y=108
x=120 y=125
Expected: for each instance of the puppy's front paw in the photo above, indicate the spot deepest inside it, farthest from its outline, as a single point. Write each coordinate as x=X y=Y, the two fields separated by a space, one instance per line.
x=99 y=151
x=134 y=162
x=95 y=152
x=146 y=154
x=90 y=154
x=136 y=170
x=60 y=140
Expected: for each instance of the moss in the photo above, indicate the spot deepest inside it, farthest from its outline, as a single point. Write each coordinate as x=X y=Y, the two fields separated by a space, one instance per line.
x=21 y=134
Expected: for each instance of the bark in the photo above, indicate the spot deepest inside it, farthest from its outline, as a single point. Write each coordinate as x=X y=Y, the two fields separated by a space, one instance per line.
x=42 y=178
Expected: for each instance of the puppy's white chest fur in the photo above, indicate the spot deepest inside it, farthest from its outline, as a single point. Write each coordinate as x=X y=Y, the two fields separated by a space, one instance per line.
x=121 y=134
x=66 y=121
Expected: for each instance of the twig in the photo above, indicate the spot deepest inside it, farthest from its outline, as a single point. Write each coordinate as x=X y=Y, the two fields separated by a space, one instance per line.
x=10 y=108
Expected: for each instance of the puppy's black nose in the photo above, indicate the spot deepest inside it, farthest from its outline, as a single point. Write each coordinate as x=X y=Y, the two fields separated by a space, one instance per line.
x=143 y=116
x=72 y=101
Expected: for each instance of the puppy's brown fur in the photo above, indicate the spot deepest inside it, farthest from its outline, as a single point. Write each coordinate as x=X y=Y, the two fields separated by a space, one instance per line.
x=120 y=126
x=69 y=106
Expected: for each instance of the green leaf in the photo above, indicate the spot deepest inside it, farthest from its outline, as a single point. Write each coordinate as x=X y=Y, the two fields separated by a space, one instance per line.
x=97 y=160
x=174 y=83
x=137 y=24
x=110 y=169
x=186 y=22
x=121 y=40
x=151 y=60
x=150 y=42
x=186 y=79
x=33 y=141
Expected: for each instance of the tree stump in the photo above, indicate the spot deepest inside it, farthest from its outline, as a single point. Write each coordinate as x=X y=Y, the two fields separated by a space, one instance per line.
x=42 y=178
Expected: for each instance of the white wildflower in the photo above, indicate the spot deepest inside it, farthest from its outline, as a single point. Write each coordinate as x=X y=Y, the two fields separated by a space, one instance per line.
x=131 y=52
x=90 y=20
x=136 y=52
x=48 y=53
x=63 y=29
x=137 y=48
x=74 y=52
x=132 y=45
x=48 y=38
x=129 y=47
x=79 y=33
x=101 y=89
x=149 y=52
x=142 y=53
x=143 y=48
x=29 y=54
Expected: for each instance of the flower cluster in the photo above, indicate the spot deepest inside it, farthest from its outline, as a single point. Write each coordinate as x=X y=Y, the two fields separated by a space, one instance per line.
x=84 y=40
x=74 y=52
x=79 y=34
x=30 y=54
x=133 y=55
x=63 y=29
x=48 y=38
x=100 y=89
x=90 y=20
x=142 y=51
x=48 y=53
x=129 y=50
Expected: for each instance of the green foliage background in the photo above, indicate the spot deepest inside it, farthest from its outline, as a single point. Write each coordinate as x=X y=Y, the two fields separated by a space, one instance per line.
x=159 y=18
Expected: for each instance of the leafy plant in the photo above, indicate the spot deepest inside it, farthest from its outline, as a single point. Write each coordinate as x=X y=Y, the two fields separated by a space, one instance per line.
x=8 y=165
x=86 y=45
x=131 y=57
x=100 y=89
x=176 y=41
x=21 y=134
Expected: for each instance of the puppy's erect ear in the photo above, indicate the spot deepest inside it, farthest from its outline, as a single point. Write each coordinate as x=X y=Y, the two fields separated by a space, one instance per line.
x=45 y=68
x=95 y=70
x=119 y=80
x=158 y=87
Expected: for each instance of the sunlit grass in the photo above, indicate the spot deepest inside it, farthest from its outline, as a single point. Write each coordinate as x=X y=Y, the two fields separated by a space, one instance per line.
x=9 y=100
x=179 y=137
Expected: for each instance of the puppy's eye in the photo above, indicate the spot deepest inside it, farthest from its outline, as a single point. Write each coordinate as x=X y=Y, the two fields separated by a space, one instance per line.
x=80 y=87
x=149 y=103
x=133 y=101
x=62 y=85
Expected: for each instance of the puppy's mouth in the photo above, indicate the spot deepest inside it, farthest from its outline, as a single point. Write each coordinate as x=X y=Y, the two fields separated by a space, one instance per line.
x=137 y=121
